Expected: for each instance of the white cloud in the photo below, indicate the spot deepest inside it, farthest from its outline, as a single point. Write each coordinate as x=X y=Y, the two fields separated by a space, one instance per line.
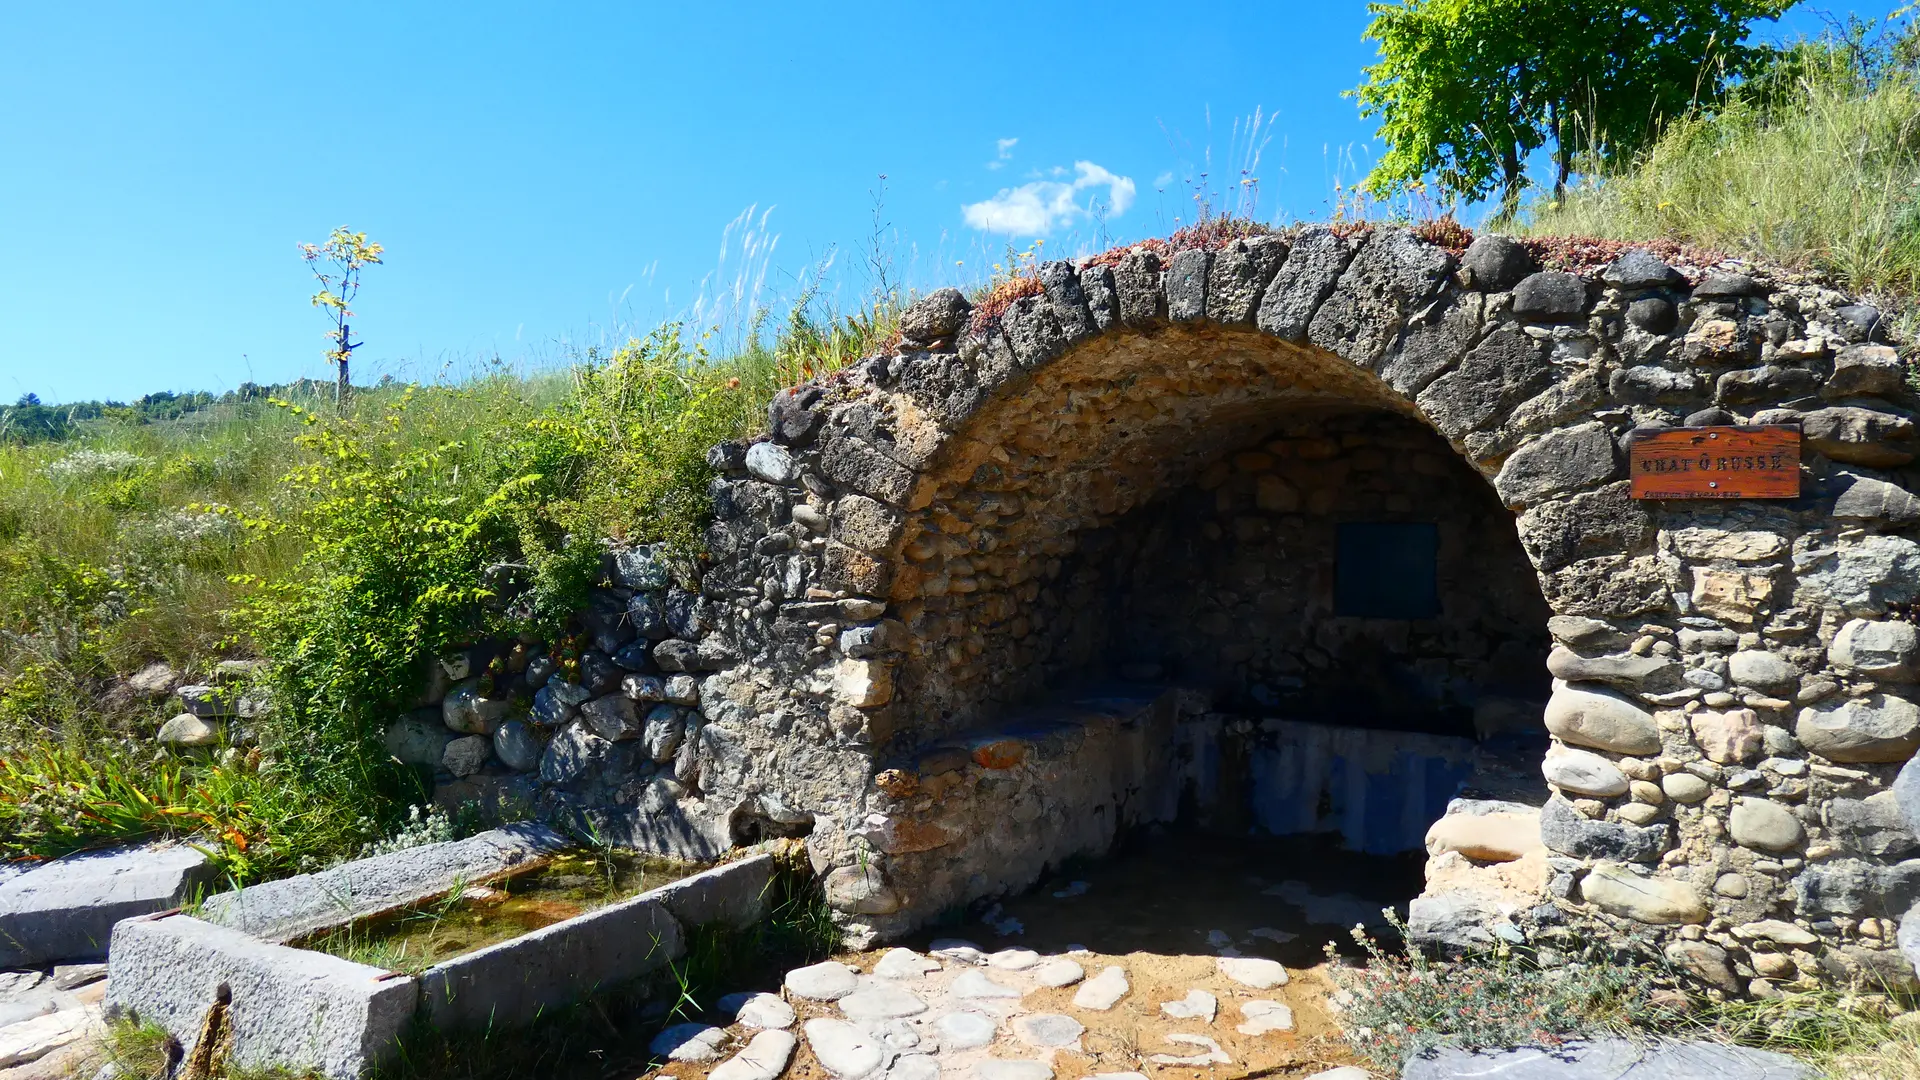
x=1004 y=148
x=1039 y=207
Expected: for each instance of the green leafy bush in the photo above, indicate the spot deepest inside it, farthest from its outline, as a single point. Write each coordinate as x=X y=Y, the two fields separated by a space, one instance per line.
x=399 y=526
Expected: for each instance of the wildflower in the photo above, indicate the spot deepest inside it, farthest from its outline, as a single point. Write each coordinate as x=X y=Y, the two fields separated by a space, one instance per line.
x=90 y=464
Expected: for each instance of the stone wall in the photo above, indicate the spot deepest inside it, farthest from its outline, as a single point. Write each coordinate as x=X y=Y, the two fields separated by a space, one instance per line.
x=902 y=564
x=1228 y=584
x=602 y=731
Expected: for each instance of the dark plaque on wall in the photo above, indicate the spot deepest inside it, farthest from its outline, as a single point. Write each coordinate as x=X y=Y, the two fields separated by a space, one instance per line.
x=1386 y=569
x=1732 y=462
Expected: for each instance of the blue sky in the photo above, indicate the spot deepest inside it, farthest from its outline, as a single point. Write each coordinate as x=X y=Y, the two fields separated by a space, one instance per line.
x=547 y=177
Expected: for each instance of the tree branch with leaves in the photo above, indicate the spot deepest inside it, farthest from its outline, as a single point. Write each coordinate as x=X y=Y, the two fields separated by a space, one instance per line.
x=1467 y=90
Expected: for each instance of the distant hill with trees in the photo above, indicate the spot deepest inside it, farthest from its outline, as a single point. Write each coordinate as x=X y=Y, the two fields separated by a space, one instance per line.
x=29 y=420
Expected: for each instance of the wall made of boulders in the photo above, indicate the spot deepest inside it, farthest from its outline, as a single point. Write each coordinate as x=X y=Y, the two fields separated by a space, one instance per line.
x=1229 y=584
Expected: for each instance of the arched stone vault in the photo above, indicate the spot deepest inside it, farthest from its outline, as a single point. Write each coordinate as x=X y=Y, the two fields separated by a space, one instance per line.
x=1740 y=668
x=1098 y=433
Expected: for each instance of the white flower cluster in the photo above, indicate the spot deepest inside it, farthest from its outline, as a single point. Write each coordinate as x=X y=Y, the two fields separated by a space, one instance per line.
x=432 y=827
x=82 y=465
x=186 y=528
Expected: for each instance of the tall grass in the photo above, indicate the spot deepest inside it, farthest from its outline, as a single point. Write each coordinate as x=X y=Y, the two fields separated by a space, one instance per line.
x=1815 y=165
x=113 y=553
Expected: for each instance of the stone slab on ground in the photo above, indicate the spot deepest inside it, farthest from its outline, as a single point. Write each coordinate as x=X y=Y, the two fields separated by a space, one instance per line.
x=73 y=976
x=904 y=964
x=1610 y=1059
x=957 y=950
x=65 y=909
x=828 y=980
x=37 y=1002
x=1265 y=1016
x=1209 y=1053
x=1048 y=1030
x=17 y=984
x=909 y=1067
x=1058 y=972
x=1197 y=1005
x=765 y=1057
x=1013 y=959
x=975 y=984
x=757 y=1011
x=1257 y=972
x=512 y=983
x=289 y=1008
x=32 y=1040
x=881 y=1003
x=966 y=1029
x=296 y=907
x=844 y=1049
x=1103 y=991
x=689 y=1042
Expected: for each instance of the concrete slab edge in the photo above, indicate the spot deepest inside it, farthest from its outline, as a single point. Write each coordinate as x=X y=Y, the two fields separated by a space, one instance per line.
x=293 y=908
x=734 y=894
x=513 y=983
x=65 y=910
x=286 y=1007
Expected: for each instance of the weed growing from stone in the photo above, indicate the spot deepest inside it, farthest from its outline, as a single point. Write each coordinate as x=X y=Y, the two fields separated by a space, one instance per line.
x=146 y=1052
x=1399 y=1006
x=1845 y=1034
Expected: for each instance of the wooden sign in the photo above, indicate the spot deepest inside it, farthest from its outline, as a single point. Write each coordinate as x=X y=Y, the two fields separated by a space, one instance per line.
x=1715 y=462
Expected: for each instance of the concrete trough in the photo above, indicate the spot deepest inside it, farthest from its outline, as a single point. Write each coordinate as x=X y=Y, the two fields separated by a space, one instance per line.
x=512 y=983
x=301 y=1009
x=307 y=904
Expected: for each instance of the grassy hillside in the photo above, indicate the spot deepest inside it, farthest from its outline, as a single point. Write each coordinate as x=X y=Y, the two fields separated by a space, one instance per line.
x=342 y=550
x=1814 y=165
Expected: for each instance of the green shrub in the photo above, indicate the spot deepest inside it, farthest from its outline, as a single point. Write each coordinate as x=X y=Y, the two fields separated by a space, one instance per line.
x=398 y=526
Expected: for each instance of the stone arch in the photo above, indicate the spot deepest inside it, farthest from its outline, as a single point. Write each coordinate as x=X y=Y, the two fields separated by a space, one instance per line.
x=1694 y=640
x=1083 y=442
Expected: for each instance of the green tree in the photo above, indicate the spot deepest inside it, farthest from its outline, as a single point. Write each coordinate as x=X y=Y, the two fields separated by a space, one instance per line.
x=336 y=264
x=1466 y=90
